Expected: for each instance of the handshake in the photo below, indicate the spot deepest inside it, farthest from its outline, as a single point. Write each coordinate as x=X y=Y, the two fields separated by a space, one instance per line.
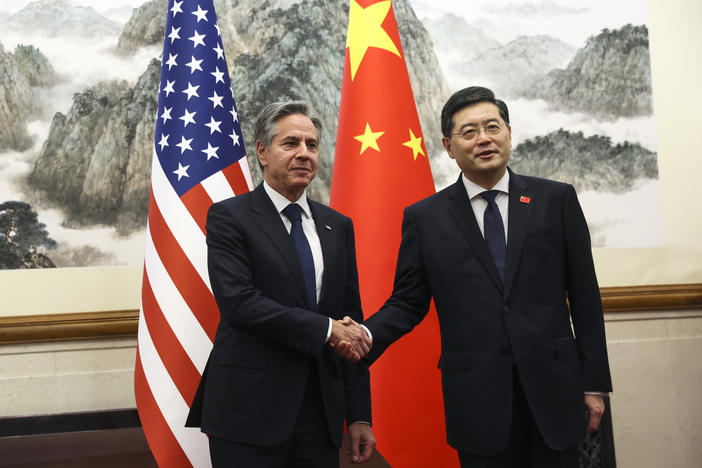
x=349 y=340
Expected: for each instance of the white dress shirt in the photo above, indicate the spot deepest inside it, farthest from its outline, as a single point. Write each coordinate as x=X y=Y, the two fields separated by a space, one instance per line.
x=310 y=230
x=308 y=226
x=479 y=204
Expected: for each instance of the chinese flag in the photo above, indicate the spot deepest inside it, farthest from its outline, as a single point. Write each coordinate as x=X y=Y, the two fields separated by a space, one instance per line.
x=380 y=167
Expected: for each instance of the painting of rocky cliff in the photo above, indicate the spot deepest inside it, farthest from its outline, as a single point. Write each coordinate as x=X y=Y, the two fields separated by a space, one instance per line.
x=79 y=81
x=577 y=78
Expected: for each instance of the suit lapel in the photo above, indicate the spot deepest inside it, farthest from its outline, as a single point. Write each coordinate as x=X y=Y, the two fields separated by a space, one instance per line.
x=462 y=212
x=328 y=238
x=268 y=218
x=517 y=224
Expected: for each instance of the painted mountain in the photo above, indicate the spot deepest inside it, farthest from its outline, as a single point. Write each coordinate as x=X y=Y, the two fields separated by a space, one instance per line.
x=589 y=163
x=536 y=9
x=456 y=43
x=95 y=163
x=514 y=68
x=97 y=159
x=609 y=78
x=119 y=15
x=56 y=18
x=22 y=75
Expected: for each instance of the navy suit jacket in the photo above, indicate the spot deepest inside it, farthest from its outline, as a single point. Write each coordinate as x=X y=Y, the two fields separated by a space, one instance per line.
x=487 y=324
x=252 y=388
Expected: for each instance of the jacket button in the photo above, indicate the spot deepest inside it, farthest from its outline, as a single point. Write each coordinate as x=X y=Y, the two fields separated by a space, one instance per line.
x=506 y=309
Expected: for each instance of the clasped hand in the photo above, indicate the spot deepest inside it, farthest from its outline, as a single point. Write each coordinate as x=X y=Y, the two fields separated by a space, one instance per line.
x=349 y=340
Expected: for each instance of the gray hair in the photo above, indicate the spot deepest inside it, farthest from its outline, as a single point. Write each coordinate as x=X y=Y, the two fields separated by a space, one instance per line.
x=266 y=126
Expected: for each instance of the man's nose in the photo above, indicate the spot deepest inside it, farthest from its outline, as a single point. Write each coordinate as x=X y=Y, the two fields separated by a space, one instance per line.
x=303 y=151
x=482 y=136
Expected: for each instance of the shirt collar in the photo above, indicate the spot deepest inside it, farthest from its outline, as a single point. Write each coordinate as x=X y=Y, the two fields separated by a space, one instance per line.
x=474 y=189
x=280 y=202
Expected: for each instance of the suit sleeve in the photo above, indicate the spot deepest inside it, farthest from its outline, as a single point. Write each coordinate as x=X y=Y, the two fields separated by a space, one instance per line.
x=584 y=298
x=240 y=303
x=410 y=299
x=356 y=376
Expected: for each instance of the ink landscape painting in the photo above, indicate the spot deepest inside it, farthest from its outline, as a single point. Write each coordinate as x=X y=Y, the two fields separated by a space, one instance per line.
x=79 y=86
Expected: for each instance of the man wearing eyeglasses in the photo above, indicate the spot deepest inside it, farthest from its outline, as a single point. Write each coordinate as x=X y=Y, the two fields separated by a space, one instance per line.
x=507 y=260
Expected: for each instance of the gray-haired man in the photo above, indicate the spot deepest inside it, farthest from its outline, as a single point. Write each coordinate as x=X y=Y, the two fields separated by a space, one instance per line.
x=283 y=272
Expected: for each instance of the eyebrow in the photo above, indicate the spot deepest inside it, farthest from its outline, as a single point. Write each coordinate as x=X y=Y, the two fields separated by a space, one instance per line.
x=486 y=121
x=290 y=138
x=293 y=138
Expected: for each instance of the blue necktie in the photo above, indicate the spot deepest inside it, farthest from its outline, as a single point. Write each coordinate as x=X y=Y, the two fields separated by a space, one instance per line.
x=495 y=232
x=294 y=213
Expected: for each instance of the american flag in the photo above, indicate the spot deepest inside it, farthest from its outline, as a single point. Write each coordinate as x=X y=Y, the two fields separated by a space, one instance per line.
x=198 y=159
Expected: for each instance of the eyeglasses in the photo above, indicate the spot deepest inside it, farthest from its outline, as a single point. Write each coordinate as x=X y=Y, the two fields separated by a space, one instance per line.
x=493 y=128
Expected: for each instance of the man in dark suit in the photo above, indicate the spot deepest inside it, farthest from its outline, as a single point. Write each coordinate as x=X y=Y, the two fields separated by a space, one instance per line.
x=507 y=260
x=283 y=272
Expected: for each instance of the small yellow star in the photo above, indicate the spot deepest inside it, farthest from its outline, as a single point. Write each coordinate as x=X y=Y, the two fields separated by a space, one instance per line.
x=416 y=144
x=369 y=139
x=366 y=30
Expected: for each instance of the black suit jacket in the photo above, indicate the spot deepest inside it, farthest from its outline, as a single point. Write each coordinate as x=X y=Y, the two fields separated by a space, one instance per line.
x=252 y=387
x=487 y=324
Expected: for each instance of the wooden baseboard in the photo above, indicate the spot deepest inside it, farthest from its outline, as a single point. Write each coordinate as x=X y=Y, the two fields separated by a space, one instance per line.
x=17 y=426
x=123 y=323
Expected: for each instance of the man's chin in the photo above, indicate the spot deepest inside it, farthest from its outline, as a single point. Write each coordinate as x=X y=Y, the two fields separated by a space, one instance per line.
x=301 y=182
x=495 y=164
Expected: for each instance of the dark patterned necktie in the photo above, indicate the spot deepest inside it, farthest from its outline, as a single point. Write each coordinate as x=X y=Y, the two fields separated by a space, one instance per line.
x=294 y=213
x=495 y=231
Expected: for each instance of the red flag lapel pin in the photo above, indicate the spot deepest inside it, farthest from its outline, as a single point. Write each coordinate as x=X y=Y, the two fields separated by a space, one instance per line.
x=525 y=199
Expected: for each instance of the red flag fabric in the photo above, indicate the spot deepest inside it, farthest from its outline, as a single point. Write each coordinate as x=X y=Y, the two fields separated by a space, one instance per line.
x=198 y=158
x=380 y=167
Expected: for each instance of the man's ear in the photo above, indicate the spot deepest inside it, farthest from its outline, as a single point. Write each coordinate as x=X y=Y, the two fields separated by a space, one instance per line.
x=447 y=146
x=261 y=153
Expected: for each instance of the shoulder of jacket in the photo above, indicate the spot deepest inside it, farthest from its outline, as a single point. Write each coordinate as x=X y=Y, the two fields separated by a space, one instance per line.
x=326 y=211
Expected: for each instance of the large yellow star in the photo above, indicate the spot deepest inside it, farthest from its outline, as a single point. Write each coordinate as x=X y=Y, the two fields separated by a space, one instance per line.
x=369 y=139
x=416 y=144
x=366 y=30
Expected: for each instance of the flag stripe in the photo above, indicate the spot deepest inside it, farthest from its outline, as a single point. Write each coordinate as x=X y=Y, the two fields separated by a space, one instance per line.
x=217 y=187
x=179 y=313
x=237 y=177
x=172 y=406
x=246 y=171
x=179 y=316
x=195 y=293
x=164 y=446
x=182 y=225
x=197 y=202
x=175 y=359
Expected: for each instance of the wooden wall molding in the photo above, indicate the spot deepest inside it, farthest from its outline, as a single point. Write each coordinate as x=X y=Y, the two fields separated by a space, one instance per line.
x=72 y=326
x=123 y=323
x=670 y=297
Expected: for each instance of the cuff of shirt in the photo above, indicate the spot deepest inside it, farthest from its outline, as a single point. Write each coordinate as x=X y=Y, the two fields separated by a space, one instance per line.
x=596 y=393
x=370 y=335
x=329 y=330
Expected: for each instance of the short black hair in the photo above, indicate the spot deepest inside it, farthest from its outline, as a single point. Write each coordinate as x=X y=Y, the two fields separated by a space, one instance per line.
x=466 y=97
